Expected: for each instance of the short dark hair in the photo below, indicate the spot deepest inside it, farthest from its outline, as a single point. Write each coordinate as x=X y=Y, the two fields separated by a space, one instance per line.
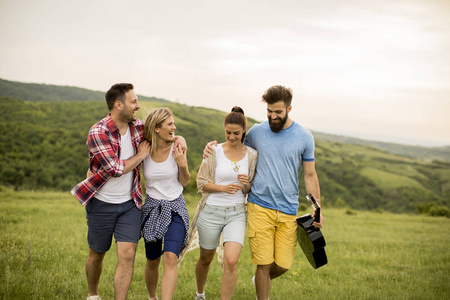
x=117 y=92
x=236 y=116
x=278 y=93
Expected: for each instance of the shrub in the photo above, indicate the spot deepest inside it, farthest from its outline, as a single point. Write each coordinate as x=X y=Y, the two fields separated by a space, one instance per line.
x=350 y=212
x=440 y=211
x=433 y=210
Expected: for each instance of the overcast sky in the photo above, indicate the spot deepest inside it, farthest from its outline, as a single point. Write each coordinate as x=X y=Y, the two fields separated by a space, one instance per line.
x=378 y=70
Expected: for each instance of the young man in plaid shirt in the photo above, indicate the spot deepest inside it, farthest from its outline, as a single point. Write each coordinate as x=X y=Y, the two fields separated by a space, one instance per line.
x=113 y=195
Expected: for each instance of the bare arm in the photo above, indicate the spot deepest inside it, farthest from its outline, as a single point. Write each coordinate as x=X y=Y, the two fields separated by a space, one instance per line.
x=312 y=185
x=133 y=162
x=231 y=188
x=183 y=170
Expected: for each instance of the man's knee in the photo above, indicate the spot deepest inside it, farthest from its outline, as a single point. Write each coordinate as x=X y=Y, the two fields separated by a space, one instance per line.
x=95 y=257
x=126 y=252
x=264 y=269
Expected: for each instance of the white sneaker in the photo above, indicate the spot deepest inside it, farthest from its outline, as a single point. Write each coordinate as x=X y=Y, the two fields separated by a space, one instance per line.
x=200 y=297
x=95 y=297
x=254 y=285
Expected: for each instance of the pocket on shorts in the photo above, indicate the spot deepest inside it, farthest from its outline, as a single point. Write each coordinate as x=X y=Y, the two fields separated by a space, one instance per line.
x=253 y=241
x=207 y=210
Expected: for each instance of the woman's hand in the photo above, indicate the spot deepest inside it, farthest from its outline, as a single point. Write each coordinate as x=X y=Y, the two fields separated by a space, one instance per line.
x=243 y=179
x=232 y=188
x=246 y=184
x=180 y=156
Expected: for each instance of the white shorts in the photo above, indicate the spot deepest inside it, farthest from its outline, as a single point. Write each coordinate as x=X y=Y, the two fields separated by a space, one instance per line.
x=214 y=220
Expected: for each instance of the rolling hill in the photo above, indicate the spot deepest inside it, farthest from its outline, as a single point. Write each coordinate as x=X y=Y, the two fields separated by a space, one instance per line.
x=55 y=93
x=44 y=92
x=42 y=146
x=422 y=153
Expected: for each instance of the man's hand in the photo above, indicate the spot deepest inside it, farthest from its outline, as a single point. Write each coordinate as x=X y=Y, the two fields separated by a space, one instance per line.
x=318 y=225
x=143 y=149
x=209 y=149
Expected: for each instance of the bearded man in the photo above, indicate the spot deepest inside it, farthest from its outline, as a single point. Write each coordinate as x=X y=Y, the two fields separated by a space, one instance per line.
x=284 y=148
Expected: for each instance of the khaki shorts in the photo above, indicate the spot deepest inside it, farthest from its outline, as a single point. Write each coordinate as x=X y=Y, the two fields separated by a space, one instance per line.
x=272 y=236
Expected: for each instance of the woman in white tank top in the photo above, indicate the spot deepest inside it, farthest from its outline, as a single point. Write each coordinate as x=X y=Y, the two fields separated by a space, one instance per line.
x=164 y=218
x=224 y=179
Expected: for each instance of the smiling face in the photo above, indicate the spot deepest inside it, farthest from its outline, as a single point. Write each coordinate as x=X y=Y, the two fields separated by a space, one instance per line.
x=233 y=133
x=129 y=107
x=278 y=114
x=167 y=130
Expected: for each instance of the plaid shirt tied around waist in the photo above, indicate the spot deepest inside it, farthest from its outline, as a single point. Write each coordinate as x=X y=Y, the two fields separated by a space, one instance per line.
x=156 y=217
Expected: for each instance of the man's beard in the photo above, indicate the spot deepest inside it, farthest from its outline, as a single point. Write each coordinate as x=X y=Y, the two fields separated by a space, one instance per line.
x=278 y=126
x=128 y=116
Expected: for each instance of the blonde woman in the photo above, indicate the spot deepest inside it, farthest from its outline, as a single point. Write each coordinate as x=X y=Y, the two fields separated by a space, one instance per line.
x=164 y=218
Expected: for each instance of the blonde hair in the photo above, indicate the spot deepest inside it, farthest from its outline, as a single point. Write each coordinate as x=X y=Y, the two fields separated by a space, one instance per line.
x=154 y=120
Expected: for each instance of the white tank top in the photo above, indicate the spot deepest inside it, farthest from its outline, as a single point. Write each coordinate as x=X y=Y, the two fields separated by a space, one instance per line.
x=118 y=189
x=161 y=179
x=226 y=173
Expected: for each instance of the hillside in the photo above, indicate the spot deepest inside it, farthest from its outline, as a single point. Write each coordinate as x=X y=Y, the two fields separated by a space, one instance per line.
x=42 y=146
x=422 y=153
x=44 y=92
x=367 y=178
x=55 y=93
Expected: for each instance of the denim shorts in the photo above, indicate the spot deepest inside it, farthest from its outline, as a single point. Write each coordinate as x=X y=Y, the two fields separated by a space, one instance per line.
x=173 y=240
x=105 y=219
x=214 y=220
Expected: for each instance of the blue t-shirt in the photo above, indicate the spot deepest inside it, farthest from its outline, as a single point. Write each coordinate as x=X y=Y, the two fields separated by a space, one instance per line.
x=280 y=157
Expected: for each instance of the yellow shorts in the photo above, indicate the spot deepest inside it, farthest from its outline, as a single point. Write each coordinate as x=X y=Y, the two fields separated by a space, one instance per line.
x=272 y=236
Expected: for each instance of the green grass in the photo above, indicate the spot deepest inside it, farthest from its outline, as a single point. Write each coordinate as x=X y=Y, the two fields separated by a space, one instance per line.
x=371 y=256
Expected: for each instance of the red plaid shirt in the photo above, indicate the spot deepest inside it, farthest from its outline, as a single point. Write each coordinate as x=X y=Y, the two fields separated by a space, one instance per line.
x=104 y=152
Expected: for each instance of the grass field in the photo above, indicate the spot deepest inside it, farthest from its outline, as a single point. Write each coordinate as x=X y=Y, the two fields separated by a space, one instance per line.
x=371 y=256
